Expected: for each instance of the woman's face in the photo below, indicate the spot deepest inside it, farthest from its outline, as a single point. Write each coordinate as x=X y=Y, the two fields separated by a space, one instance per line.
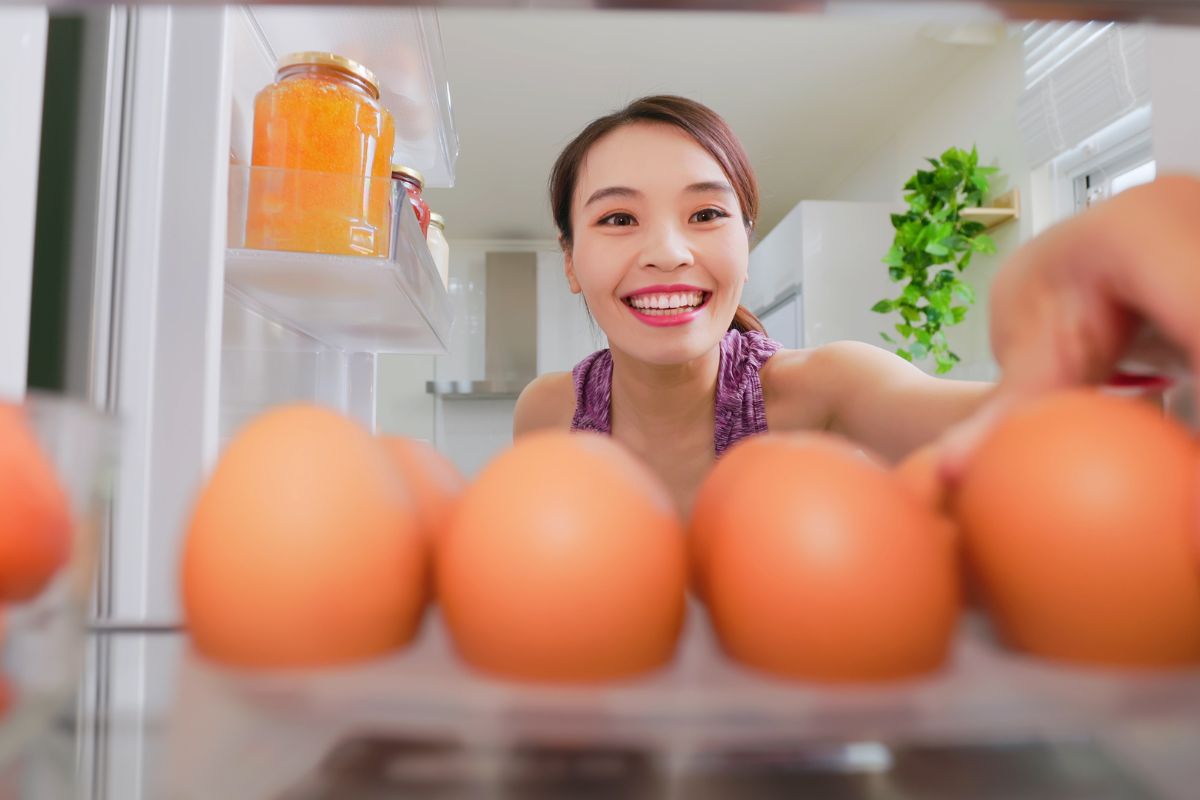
x=660 y=249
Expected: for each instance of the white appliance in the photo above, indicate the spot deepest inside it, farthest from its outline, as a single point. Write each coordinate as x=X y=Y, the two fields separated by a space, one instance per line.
x=815 y=276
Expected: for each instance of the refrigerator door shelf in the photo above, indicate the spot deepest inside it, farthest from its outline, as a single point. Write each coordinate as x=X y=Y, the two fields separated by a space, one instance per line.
x=356 y=304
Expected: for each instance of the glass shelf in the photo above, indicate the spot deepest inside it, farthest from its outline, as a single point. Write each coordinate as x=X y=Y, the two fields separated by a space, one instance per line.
x=355 y=303
x=700 y=703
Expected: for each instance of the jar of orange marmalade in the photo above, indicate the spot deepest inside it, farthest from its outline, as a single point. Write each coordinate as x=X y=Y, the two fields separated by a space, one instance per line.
x=323 y=152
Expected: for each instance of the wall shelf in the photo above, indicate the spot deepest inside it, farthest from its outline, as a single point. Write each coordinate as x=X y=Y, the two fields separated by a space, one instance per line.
x=1004 y=208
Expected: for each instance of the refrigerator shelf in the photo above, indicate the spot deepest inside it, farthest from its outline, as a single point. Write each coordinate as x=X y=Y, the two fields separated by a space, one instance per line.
x=356 y=304
x=701 y=702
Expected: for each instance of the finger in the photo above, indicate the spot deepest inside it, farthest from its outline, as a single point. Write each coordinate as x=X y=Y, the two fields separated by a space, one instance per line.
x=957 y=446
x=1156 y=274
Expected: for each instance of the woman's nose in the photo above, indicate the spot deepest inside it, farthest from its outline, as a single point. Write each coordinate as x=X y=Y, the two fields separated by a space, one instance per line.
x=667 y=249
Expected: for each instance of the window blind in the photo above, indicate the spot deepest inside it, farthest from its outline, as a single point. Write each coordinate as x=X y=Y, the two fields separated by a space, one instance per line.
x=1079 y=78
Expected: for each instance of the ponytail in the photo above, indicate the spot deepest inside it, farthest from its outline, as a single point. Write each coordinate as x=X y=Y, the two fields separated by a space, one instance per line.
x=744 y=321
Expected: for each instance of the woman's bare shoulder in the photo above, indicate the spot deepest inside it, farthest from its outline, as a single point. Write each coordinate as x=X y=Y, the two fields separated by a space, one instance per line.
x=801 y=387
x=547 y=402
x=815 y=368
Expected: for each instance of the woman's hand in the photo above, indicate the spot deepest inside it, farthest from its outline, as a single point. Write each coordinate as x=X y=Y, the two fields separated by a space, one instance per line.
x=1120 y=281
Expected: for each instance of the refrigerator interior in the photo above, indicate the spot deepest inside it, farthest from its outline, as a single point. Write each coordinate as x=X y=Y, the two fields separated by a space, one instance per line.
x=210 y=333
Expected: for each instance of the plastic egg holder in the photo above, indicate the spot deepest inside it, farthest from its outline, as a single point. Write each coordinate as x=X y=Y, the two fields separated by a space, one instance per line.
x=43 y=643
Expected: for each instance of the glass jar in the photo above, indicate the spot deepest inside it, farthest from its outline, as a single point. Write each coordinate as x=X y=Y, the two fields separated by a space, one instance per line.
x=322 y=151
x=439 y=248
x=413 y=182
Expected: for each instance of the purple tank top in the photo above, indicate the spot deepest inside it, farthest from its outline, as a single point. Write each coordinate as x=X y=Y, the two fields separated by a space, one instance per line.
x=739 y=403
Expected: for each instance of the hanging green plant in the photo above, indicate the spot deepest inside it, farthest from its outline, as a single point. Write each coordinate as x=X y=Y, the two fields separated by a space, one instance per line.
x=932 y=246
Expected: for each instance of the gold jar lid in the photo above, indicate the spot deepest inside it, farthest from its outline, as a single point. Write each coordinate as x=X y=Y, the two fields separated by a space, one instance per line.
x=437 y=219
x=408 y=172
x=323 y=59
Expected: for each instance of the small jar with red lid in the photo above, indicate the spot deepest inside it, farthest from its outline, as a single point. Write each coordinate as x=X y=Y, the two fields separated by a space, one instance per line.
x=413 y=182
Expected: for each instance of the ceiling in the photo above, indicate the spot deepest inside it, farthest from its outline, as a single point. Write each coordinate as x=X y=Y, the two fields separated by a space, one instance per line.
x=810 y=97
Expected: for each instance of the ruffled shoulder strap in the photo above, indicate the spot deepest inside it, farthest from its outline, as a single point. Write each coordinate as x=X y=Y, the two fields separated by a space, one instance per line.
x=593 y=393
x=740 y=411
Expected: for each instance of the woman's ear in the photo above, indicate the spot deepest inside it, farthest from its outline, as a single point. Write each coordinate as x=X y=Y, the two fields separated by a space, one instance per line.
x=569 y=269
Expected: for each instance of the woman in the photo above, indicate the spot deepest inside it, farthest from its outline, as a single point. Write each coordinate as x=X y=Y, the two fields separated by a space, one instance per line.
x=655 y=205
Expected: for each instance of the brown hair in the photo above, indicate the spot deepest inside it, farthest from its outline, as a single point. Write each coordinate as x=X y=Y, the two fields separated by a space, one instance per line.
x=695 y=119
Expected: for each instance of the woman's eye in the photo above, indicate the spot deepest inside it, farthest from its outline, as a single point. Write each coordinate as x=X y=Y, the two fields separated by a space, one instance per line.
x=708 y=215
x=619 y=220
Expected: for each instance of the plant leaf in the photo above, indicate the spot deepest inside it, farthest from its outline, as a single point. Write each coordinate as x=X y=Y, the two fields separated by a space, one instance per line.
x=907 y=356
x=983 y=244
x=884 y=306
x=887 y=338
x=919 y=351
x=964 y=292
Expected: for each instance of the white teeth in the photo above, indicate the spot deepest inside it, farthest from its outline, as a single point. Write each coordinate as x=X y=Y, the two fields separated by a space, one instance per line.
x=674 y=302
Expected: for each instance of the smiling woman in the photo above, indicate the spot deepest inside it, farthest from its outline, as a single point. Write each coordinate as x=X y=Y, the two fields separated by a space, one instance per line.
x=655 y=205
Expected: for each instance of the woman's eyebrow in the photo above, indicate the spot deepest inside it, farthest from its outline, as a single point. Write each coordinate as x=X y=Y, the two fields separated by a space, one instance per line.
x=611 y=191
x=709 y=186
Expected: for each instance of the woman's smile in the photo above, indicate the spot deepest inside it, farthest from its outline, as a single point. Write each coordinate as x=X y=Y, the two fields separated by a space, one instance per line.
x=667 y=305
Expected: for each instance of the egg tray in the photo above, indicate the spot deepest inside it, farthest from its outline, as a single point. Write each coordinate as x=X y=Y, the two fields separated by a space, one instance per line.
x=283 y=724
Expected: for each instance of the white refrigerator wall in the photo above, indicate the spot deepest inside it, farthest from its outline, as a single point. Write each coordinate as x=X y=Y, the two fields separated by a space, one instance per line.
x=23 y=54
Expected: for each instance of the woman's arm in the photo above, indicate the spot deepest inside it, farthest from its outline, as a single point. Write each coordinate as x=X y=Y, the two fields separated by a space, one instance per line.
x=1068 y=305
x=872 y=396
x=547 y=402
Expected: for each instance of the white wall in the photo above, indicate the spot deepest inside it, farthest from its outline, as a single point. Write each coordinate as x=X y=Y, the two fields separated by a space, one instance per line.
x=565 y=333
x=404 y=407
x=976 y=106
x=22 y=65
x=842 y=244
x=1174 y=64
x=471 y=431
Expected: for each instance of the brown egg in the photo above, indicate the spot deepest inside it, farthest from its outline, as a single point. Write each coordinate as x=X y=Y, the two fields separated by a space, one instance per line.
x=35 y=515
x=818 y=564
x=1077 y=514
x=433 y=481
x=303 y=549
x=918 y=472
x=564 y=562
x=8 y=695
